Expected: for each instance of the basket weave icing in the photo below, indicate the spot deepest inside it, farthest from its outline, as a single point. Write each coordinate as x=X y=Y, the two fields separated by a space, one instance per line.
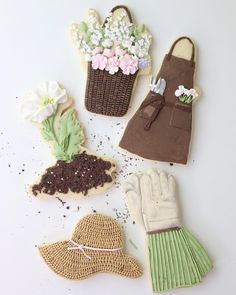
x=108 y=94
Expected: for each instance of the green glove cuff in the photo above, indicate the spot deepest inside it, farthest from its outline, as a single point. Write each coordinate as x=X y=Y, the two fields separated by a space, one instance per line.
x=176 y=259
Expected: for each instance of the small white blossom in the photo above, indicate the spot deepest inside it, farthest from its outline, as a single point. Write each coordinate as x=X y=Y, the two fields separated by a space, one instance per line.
x=107 y=43
x=126 y=43
x=180 y=91
x=95 y=39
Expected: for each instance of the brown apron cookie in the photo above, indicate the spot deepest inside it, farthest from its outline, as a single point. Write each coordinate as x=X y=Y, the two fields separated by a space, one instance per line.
x=161 y=128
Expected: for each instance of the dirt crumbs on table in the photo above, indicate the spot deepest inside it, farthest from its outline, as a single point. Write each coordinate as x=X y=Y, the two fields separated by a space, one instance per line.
x=81 y=174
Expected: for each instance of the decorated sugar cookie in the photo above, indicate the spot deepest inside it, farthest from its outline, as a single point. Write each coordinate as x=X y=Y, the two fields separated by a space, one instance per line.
x=161 y=128
x=95 y=246
x=176 y=258
x=77 y=170
x=116 y=52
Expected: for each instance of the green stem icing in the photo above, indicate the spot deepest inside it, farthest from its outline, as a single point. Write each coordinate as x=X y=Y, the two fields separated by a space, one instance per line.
x=186 y=99
x=67 y=139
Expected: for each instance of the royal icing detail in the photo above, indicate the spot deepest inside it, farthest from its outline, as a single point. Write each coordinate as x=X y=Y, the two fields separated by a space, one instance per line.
x=42 y=102
x=118 y=44
x=41 y=106
x=77 y=170
x=96 y=245
x=151 y=199
x=186 y=95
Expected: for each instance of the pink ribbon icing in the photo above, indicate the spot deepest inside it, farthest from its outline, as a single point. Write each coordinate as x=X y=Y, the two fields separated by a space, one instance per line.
x=82 y=247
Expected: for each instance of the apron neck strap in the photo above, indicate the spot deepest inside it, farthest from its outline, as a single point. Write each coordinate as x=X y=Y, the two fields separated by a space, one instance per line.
x=174 y=44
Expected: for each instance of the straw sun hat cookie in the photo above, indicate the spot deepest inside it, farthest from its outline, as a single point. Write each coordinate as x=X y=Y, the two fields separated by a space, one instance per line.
x=114 y=53
x=96 y=246
x=77 y=170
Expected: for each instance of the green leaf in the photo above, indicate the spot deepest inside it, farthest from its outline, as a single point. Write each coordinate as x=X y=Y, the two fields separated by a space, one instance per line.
x=83 y=27
x=131 y=30
x=140 y=29
x=60 y=152
x=87 y=38
x=70 y=136
x=181 y=98
x=47 y=131
x=65 y=142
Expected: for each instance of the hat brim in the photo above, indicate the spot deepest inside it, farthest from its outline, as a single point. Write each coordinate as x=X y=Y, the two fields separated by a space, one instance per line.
x=72 y=264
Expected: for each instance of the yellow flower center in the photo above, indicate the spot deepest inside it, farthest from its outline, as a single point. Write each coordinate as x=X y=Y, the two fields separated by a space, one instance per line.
x=46 y=100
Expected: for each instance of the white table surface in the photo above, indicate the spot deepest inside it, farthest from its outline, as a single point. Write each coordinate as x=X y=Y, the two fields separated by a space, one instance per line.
x=35 y=46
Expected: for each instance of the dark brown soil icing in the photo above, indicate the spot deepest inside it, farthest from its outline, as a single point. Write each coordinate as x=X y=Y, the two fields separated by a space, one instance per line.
x=81 y=174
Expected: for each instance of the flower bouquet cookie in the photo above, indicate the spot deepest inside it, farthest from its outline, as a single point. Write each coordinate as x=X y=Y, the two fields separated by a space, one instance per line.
x=77 y=170
x=116 y=52
x=95 y=246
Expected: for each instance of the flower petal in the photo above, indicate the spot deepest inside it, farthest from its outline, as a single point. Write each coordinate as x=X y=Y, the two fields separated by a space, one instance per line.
x=28 y=109
x=42 y=90
x=53 y=87
x=178 y=92
x=62 y=97
x=43 y=113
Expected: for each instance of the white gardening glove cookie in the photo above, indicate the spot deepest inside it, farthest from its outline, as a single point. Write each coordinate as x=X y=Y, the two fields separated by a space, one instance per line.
x=150 y=197
x=176 y=258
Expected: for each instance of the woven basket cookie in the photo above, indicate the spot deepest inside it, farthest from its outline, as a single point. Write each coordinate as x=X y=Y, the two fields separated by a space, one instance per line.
x=77 y=170
x=116 y=52
x=96 y=246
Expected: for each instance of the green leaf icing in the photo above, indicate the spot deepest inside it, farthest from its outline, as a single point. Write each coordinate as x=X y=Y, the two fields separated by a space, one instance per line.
x=47 y=130
x=141 y=28
x=83 y=27
x=70 y=134
x=67 y=139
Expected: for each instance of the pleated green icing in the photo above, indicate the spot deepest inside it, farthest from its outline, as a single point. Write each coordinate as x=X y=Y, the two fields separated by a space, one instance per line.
x=176 y=260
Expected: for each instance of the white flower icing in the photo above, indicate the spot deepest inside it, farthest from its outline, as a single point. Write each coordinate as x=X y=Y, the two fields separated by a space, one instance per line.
x=186 y=95
x=41 y=103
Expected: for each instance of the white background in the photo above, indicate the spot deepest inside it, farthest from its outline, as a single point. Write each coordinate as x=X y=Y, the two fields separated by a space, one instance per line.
x=35 y=46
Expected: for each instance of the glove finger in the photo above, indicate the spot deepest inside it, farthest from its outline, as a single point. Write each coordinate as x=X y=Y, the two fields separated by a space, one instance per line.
x=133 y=203
x=134 y=180
x=126 y=186
x=156 y=185
x=146 y=193
x=171 y=187
x=164 y=185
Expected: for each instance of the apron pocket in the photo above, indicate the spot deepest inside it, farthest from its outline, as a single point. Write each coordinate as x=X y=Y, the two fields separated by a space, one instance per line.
x=181 y=116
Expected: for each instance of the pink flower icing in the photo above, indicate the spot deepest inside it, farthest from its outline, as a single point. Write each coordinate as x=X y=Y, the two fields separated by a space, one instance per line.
x=97 y=50
x=119 y=51
x=99 y=62
x=108 y=52
x=112 y=65
x=128 y=64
